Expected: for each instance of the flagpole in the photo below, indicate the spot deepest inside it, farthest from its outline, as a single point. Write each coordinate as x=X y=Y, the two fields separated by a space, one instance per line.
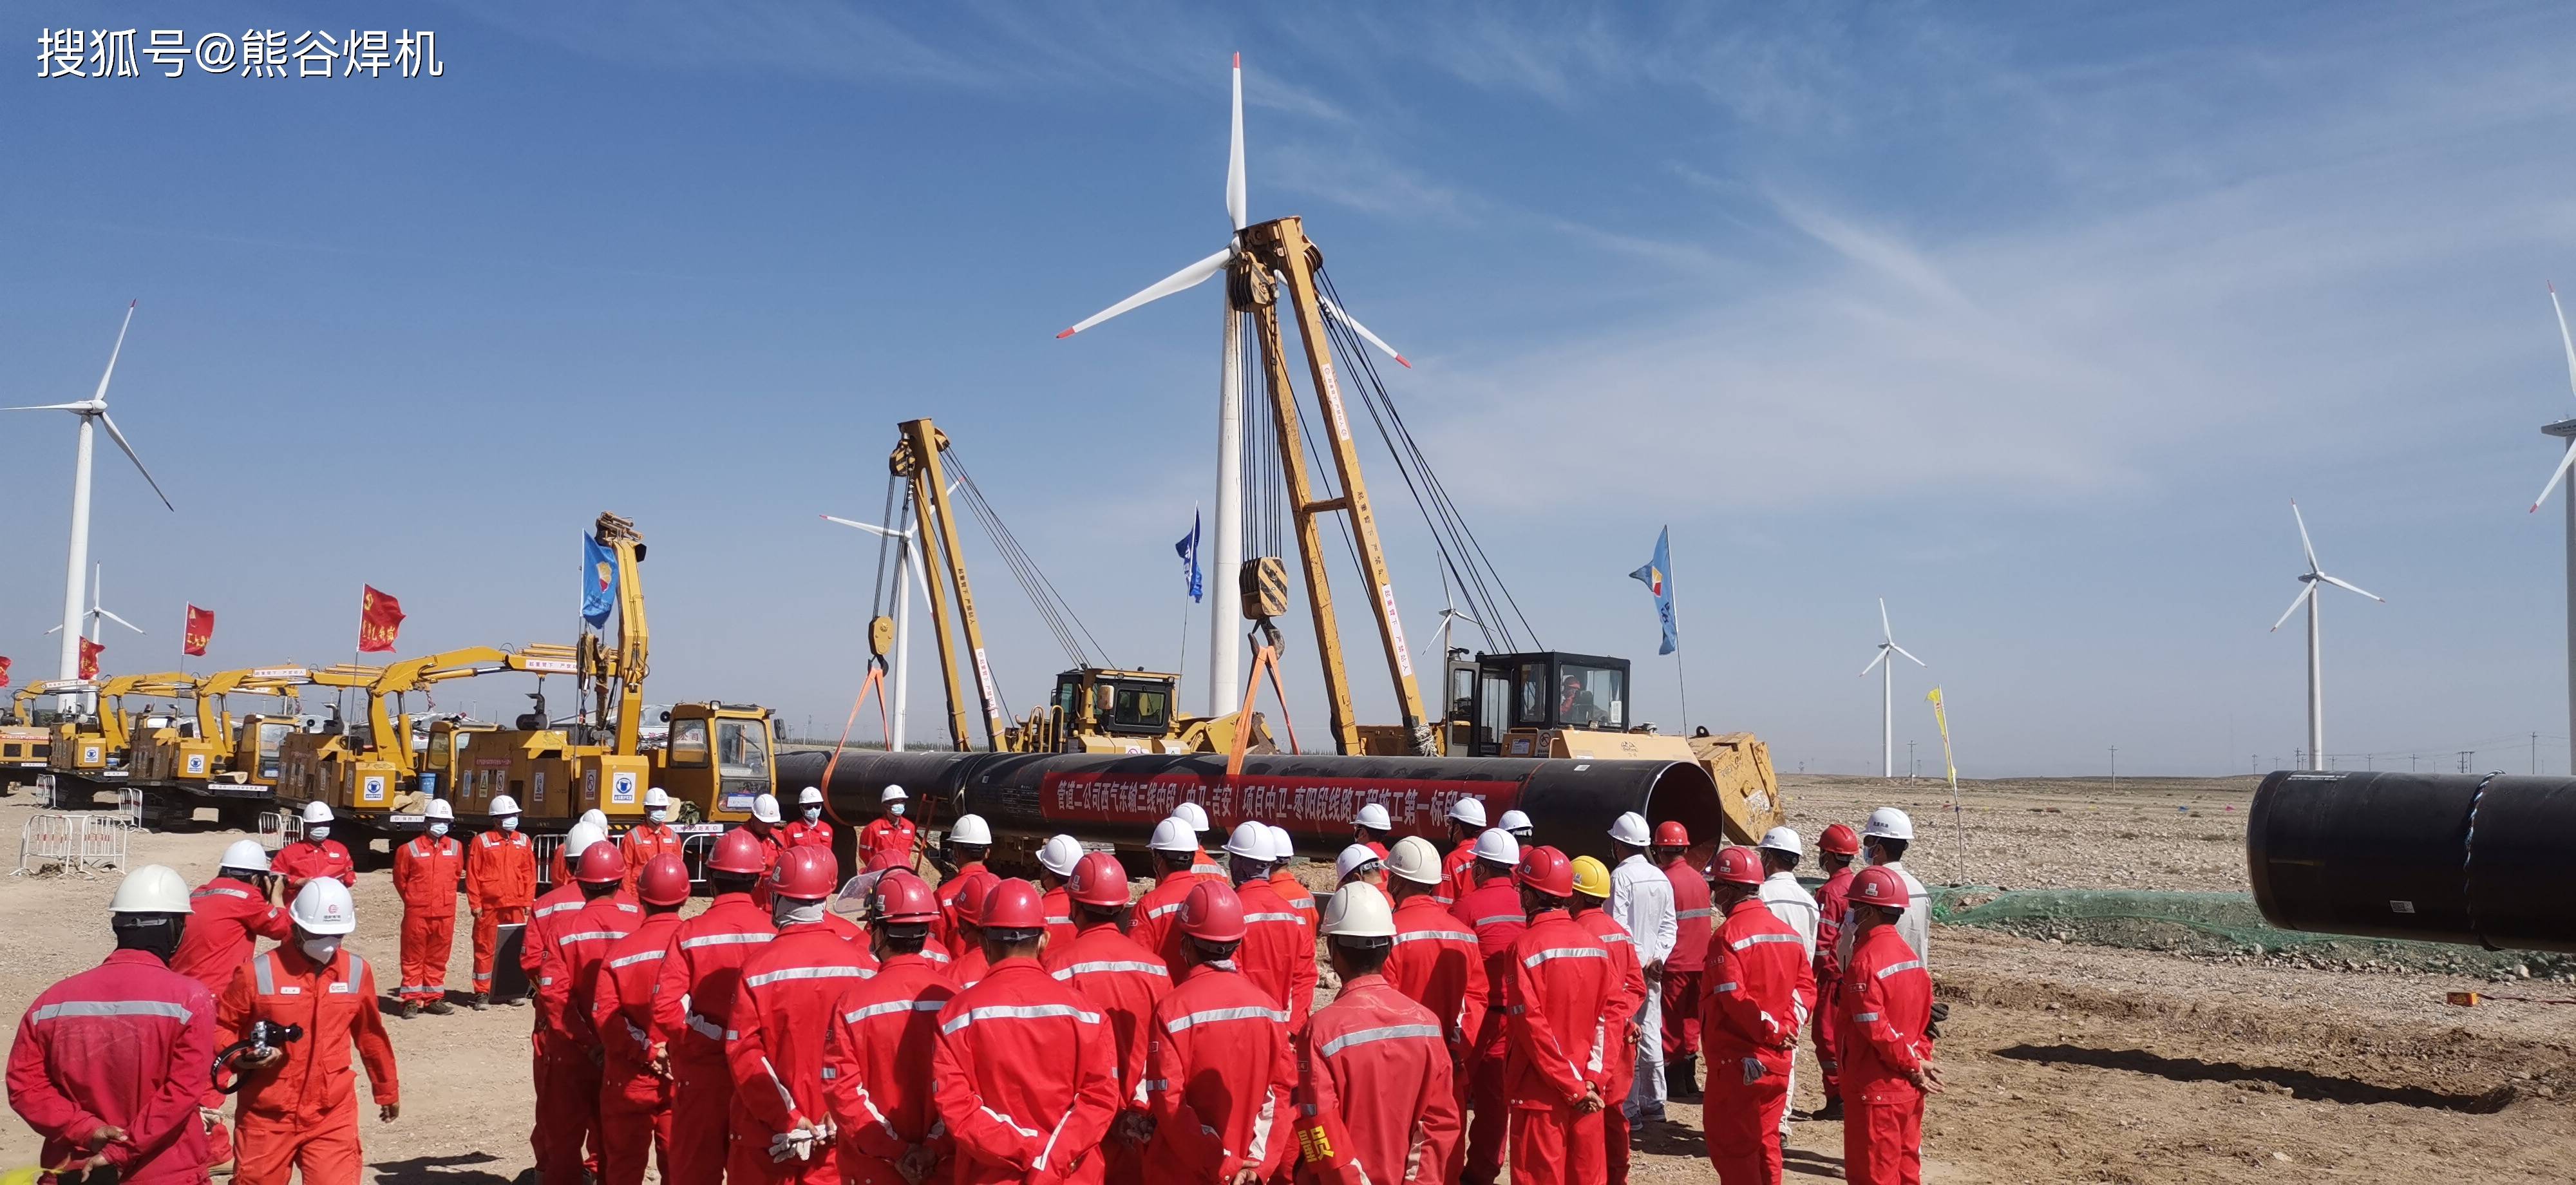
x=1681 y=674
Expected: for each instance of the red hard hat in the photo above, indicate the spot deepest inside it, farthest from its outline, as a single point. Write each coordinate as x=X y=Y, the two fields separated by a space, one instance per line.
x=601 y=864
x=971 y=889
x=737 y=851
x=1671 y=834
x=1737 y=866
x=1099 y=879
x=905 y=899
x=1880 y=887
x=1014 y=904
x=1839 y=839
x=1547 y=871
x=806 y=874
x=665 y=881
x=1213 y=914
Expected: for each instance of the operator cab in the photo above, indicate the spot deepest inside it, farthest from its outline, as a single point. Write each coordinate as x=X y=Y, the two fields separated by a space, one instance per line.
x=1115 y=703
x=1509 y=705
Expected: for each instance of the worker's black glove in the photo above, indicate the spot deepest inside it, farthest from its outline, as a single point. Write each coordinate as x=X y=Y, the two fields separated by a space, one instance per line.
x=1940 y=1012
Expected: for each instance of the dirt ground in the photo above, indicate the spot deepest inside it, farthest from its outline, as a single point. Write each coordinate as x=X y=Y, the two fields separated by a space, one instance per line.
x=2066 y=1063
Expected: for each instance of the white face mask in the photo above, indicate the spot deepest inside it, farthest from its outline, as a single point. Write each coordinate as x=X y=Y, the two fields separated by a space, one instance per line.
x=895 y=810
x=509 y=822
x=656 y=815
x=813 y=813
x=318 y=831
x=321 y=947
x=438 y=830
x=787 y=911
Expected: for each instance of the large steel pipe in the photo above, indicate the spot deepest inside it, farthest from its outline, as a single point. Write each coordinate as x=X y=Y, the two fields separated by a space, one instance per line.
x=1114 y=798
x=2481 y=861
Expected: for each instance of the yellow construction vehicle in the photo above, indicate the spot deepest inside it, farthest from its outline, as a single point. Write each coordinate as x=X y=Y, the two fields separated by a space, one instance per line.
x=89 y=754
x=224 y=761
x=24 y=744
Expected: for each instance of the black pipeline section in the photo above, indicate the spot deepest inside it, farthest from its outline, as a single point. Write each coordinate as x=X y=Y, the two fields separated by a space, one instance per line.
x=2479 y=861
x=1117 y=798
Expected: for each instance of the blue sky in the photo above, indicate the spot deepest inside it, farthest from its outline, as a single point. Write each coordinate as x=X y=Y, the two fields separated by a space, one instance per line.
x=2031 y=319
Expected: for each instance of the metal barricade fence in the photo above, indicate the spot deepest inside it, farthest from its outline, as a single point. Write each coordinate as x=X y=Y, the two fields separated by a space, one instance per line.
x=75 y=842
x=129 y=805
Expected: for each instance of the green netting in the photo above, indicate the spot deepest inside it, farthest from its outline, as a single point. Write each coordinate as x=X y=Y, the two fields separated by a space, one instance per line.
x=2213 y=925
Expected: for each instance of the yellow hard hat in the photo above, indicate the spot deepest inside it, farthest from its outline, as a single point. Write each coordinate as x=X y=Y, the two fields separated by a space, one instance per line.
x=1591 y=877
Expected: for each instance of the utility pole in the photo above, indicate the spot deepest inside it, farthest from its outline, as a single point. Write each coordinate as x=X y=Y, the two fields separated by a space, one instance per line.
x=2535 y=753
x=2410 y=763
x=1910 y=767
x=2115 y=767
x=2298 y=759
x=2464 y=759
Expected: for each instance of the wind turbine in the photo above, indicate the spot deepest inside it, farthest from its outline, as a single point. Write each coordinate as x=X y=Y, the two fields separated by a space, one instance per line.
x=92 y=409
x=2566 y=430
x=2316 y=671
x=1225 y=649
x=907 y=561
x=1886 y=668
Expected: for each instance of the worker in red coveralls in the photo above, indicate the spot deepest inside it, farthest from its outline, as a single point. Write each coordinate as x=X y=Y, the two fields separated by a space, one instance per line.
x=1619 y=1026
x=1197 y=817
x=1494 y=912
x=968 y=842
x=888 y=841
x=314 y=855
x=1278 y=949
x=966 y=920
x=1887 y=1054
x=229 y=915
x=1283 y=849
x=108 y=1065
x=877 y=1045
x=764 y=826
x=1694 y=920
x=1123 y=980
x=1436 y=962
x=1371 y=828
x=1835 y=850
x=809 y=829
x=1375 y=1103
x=551 y=913
x=1025 y=1070
x=570 y=1041
x=1466 y=825
x=1174 y=848
x=1556 y=1080
x=634 y=1088
x=298 y=1108
x=1057 y=859
x=649 y=840
x=426 y=872
x=779 y=1015
x=1218 y=1064
x=500 y=887
x=1761 y=988
x=693 y=1003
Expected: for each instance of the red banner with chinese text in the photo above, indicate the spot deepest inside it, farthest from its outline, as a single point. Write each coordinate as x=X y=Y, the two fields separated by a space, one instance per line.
x=1300 y=804
x=200 y=630
x=89 y=652
x=4 y=671
x=380 y=618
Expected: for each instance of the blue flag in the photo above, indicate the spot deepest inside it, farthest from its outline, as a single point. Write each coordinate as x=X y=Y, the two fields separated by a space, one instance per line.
x=1188 y=550
x=598 y=582
x=1658 y=578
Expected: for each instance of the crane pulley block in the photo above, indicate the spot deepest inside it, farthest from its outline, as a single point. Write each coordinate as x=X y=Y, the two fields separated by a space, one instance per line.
x=1263 y=583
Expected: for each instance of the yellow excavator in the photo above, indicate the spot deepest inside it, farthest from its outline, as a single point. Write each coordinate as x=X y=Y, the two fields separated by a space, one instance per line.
x=89 y=754
x=229 y=762
x=24 y=744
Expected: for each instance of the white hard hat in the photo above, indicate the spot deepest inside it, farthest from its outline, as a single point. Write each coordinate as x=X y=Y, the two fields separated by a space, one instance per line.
x=1782 y=839
x=1174 y=835
x=1251 y=840
x=810 y=796
x=1497 y=846
x=596 y=818
x=503 y=804
x=655 y=797
x=245 y=855
x=1414 y=859
x=1060 y=855
x=1192 y=814
x=323 y=907
x=1283 y=846
x=438 y=809
x=765 y=808
x=970 y=829
x=892 y=794
x=317 y=812
x=1373 y=817
x=1358 y=911
x=1470 y=811
x=1630 y=829
x=578 y=840
x=153 y=888
x=1351 y=858
x=1515 y=822
x=1887 y=822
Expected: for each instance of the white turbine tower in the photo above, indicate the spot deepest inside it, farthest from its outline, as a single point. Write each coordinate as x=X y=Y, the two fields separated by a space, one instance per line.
x=2313 y=577
x=2566 y=430
x=1225 y=648
x=90 y=410
x=1886 y=668
x=907 y=562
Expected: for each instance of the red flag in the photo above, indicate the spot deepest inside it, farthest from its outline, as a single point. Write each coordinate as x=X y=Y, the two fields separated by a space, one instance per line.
x=201 y=630
x=380 y=617
x=4 y=671
x=89 y=652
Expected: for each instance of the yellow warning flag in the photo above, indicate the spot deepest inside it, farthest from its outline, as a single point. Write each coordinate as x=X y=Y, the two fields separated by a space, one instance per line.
x=1941 y=716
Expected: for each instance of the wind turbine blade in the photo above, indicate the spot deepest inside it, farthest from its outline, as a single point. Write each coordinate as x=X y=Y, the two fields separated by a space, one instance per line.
x=1335 y=312
x=2350 y=587
x=110 y=372
x=2303 y=534
x=2295 y=602
x=2555 y=476
x=870 y=528
x=1885 y=630
x=1907 y=653
x=1235 y=202
x=118 y=620
x=119 y=438
x=53 y=629
x=2563 y=339
x=1873 y=663
x=50 y=407
x=1186 y=278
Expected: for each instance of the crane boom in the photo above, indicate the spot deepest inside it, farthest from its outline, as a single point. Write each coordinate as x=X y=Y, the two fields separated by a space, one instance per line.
x=916 y=458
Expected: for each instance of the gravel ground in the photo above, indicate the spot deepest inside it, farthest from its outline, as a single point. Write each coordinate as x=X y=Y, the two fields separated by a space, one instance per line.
x=2066 y=1063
